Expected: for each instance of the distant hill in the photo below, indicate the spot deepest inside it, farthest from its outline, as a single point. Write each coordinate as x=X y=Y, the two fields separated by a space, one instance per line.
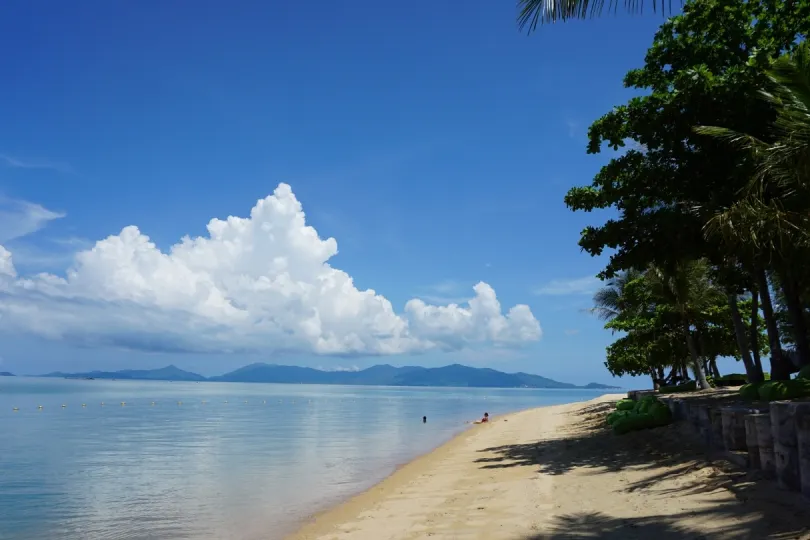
x=168 y=373
x=385 y=375
x=381 y=375
x=600 y=386
x=6 y=374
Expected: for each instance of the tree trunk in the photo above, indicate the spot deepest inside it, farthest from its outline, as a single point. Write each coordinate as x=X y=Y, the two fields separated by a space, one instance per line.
x=655 y=381
x=754 y=331
x=779 y=371
x=700 y=375
x=684 y=371
x=742 y=340
x=796 y=313
x=714 y=368
x=670 y=379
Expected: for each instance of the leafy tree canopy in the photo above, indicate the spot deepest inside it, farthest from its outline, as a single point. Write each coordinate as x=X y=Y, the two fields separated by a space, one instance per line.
x=704 y=68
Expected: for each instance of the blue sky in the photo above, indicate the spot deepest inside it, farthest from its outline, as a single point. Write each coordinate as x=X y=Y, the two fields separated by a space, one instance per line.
x=434 y=144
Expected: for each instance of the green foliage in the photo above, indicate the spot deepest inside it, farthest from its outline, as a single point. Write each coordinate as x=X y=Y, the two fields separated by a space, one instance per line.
x=732 y=379
x=625 y=405
x=776 y=390
x=689 y=386
x=750 y=391
x=687 y=211
x=647 y=413
x=804 y=373
x=615 y=415
x=649 y=309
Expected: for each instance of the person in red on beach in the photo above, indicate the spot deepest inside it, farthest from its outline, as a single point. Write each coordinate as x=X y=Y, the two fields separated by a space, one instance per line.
x=484 y=420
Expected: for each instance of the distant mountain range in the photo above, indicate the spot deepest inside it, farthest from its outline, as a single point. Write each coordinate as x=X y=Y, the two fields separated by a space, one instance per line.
x=6 y=374
x=169 y=373
x=382 y=375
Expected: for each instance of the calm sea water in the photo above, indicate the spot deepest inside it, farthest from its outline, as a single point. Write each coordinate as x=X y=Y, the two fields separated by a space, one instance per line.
x=212 y=460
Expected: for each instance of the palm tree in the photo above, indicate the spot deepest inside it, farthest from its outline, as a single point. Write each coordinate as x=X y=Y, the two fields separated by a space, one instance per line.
x=619 y=298
x=534 y=12
x=610 y=301
x=772 y=217
x=687 y=289
x=772 y=214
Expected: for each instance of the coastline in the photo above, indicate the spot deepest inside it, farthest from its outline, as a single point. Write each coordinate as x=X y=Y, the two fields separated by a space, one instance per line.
x=554 y=473
x=327 y=523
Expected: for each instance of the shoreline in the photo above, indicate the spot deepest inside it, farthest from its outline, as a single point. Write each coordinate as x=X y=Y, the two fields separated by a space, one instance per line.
x=324 y=522
x=556 y=473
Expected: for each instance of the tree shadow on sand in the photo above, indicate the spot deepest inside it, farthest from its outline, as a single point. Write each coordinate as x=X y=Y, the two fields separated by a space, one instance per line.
x=735 y=525
x=674 y=453
x=558 y=456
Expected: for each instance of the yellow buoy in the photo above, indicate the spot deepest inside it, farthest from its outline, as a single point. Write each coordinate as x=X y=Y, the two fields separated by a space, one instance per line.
x=123 y=403
x=39 y=407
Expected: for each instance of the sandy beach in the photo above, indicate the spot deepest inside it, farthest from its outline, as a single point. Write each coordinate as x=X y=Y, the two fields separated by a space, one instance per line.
x=557 y=473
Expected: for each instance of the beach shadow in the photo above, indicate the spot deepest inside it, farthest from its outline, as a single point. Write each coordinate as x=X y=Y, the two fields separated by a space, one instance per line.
x=599 y=448
x=737 y=525
x=596 y=408
x=759 y=510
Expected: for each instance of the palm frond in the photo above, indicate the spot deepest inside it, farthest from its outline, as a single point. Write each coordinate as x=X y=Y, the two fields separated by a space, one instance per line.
x=751 y=222
x=531 y=13
x=771 y=212
x=742 y=141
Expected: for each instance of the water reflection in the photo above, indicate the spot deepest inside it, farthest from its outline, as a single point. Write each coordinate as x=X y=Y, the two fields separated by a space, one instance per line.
x=211 y=470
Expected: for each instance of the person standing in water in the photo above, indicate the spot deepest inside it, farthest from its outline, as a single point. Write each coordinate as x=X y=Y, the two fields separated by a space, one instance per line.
x=424 y=419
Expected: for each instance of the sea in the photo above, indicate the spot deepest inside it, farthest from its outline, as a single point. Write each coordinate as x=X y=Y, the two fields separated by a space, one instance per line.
x=104 y=459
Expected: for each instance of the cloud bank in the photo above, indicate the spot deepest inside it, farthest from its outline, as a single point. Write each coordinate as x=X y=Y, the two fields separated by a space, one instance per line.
x=261 y=283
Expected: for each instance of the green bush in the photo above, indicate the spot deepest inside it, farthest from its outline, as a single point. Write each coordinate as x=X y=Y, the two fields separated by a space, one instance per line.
x=732 y=379
x=625 y=405
x=643 y=405
x=646 y=413
x=775 y=390
x=750 y=391
x=633 y=422
x=660 y=413
x=615 y=415
x=688 y=386
x=804 y=373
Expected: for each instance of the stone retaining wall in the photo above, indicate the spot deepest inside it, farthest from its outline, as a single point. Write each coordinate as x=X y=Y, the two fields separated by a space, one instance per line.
x=771 y=437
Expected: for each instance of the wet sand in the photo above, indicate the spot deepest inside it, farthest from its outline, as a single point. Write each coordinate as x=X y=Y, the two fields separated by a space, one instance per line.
x=557 y=473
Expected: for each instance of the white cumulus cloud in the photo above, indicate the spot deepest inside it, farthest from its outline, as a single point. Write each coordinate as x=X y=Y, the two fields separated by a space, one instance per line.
x=261 y=283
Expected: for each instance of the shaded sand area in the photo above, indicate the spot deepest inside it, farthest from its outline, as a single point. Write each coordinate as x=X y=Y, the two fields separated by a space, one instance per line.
x=556 y=473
